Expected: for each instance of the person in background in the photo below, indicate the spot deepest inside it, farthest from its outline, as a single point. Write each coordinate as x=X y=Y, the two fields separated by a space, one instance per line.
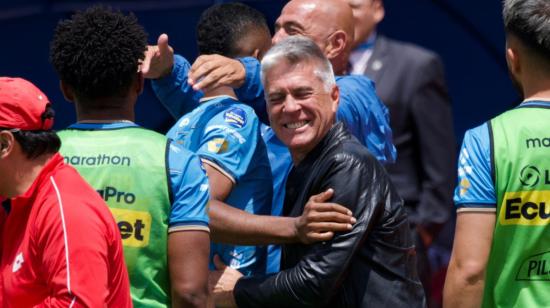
x=60 y=246
x=410 y=81
x=157 y=190
x=500 y=255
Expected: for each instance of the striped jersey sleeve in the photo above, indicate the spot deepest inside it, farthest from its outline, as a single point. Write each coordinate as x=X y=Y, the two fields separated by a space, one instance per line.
x=475 y=189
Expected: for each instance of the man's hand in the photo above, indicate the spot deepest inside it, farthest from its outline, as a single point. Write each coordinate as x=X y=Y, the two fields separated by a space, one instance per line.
x=212 y=71
x=159 y=59
x=222 y=281
x=320 y=220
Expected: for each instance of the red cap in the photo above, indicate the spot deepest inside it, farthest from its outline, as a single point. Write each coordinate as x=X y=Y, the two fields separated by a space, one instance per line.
x=22 y=105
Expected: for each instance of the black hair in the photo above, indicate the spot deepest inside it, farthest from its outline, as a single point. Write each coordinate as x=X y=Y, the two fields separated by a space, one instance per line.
x=97 y=52
x=40 y=142
x=37 y=143
x=529 y=20
x=222 y=26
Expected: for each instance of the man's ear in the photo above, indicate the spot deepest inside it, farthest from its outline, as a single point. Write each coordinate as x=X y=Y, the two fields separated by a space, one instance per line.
x=335 y=97
x=378 y=9
x=513 y=60
x=7 y=142
x=336 y=44
x=256 y=53
x=67 y=91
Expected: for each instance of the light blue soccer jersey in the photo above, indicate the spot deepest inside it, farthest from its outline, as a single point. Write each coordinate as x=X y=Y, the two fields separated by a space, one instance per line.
x=475 y=188
x=281 y=163
x=360 y=109
x=225 y=134
x=188 y=181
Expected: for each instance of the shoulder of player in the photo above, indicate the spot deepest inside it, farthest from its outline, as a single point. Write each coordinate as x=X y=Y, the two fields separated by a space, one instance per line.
x=235 y=115
x=478 y=137
x=179 y=157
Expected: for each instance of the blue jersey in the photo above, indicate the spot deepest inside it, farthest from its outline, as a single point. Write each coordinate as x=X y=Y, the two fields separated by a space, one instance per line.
x=174 y=92
x=476 y=189
x=226 y=135
x=188 y=181
x=281 y=163
x=360 y=109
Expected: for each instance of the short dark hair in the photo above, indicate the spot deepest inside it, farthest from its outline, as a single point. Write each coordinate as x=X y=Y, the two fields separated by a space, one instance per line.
x=222 y=26
x=529 y=20
x=37 y=143
x=97 y=52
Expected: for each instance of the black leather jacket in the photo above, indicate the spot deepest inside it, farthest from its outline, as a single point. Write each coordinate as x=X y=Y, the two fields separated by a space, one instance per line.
x=371 y=266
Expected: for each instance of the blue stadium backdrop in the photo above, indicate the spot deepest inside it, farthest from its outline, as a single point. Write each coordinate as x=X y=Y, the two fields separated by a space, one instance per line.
x=467 y=34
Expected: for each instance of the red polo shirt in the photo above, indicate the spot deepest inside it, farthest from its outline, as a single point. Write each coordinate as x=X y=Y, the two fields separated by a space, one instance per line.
x=61 y=246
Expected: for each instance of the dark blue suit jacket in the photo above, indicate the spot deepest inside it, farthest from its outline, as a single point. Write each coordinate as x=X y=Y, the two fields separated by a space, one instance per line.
x=411 y=82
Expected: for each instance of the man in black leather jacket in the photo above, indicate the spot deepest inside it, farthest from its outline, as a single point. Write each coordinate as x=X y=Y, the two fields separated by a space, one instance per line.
x=372 y=265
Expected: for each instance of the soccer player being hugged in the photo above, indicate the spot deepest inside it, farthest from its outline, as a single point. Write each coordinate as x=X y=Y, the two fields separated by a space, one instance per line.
x=225 y=134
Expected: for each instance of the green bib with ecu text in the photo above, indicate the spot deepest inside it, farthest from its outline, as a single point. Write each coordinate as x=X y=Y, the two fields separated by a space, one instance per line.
x=127 y=167
x=518 y=269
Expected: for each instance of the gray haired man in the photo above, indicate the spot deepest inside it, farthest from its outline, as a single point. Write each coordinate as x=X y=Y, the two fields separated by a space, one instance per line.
x=374 y=263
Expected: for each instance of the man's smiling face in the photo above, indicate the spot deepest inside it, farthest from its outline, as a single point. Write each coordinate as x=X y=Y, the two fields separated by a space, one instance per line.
x=301 y=110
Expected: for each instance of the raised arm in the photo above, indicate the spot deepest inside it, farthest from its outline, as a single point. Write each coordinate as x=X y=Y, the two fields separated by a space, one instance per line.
x=169 y=78
x=210 y=71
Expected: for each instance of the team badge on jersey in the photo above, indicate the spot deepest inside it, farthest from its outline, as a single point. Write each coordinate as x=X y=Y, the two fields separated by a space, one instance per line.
x=217 y=145
x=235 y=117
x=184 y=122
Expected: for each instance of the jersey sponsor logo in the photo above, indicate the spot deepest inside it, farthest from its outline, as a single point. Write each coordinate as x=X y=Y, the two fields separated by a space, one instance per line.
x=528 y=208
x=134 y=227
x=111 y=193
x=535 y=268
x=235 y=117
x=530 y=176
x=217 y=145
x=17 y=263
x=227 y=130
x=99 y=160
x=537 y=142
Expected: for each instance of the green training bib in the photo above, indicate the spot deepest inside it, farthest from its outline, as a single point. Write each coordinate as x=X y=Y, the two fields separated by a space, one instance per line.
x=127 y=167
x=518 y=270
